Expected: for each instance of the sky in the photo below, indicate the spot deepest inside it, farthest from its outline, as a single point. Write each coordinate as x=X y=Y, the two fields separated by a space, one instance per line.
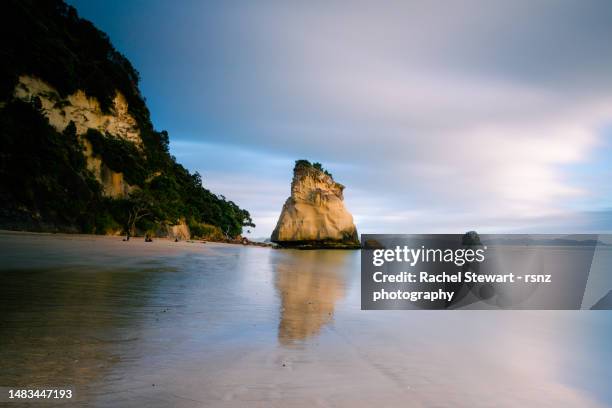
x=437 y=116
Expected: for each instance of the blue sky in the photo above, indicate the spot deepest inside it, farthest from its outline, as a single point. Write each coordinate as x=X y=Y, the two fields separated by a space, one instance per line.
x=437 y=116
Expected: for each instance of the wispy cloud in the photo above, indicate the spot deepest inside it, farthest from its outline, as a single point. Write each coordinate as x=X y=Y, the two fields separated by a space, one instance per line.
x=434 y=114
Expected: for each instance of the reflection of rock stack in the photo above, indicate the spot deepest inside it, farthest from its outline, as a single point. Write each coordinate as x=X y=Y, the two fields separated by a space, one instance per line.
x=309 y=284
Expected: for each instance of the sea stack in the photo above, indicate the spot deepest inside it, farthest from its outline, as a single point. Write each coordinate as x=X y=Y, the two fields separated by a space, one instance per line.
x=314 y=216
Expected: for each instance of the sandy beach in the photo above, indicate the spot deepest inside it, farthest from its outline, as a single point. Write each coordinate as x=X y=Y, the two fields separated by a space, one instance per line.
x=190 y=324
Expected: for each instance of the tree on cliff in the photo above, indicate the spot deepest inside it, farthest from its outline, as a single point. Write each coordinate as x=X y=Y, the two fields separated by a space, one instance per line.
x=141 y=205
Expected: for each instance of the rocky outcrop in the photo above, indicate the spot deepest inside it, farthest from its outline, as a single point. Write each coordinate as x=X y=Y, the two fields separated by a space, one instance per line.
x=178 y=231
x=314 y=216
x=86 y=114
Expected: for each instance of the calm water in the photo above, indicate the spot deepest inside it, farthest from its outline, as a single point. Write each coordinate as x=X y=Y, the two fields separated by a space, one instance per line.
x=187 y=324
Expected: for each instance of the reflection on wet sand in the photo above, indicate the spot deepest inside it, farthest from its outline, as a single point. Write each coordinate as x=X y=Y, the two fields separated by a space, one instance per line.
x=167 y=324
x=63 y=327
x=309 y=283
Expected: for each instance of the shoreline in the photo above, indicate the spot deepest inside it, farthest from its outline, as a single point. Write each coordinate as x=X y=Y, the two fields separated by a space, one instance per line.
x=121 y=238
x=302 y=246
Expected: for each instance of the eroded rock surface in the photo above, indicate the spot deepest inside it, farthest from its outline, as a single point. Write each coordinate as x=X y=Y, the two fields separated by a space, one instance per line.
x=314 y=215
x=85 y=113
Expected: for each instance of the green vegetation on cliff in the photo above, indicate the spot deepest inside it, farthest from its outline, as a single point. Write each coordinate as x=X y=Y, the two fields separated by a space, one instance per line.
x=44 y=180
x=47 y=39
x=303 y=163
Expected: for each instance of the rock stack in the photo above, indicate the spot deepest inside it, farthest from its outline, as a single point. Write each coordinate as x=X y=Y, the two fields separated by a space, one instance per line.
x=314 y=216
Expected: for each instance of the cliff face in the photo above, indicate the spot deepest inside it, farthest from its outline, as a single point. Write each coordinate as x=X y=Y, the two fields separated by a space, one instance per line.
x=85 y=113
x=314 y=215
x=79 y=150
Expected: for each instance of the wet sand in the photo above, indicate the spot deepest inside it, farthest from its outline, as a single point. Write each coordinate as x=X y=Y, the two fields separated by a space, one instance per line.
x=191 y=324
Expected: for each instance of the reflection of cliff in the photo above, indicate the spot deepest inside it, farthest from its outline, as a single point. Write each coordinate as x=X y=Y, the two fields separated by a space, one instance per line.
x=309 y=283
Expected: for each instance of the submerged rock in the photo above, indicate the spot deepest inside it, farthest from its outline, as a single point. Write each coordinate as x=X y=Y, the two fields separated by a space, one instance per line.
x=471 y=238
x=314 y=216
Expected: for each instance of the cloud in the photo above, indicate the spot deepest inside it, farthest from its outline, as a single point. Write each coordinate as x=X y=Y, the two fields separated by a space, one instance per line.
x=481 y=113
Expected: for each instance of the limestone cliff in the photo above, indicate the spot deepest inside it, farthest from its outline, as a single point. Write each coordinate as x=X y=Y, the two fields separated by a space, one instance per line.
x=79 y=149
x=85 y=112
x=314 y=216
